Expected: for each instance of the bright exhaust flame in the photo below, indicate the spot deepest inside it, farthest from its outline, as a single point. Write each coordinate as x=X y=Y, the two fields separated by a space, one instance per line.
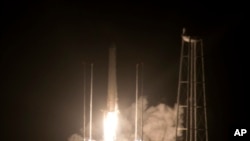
x=110 y=125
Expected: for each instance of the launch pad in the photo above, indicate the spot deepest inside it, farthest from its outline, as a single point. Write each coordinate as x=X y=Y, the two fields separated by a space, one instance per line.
x=159 y=122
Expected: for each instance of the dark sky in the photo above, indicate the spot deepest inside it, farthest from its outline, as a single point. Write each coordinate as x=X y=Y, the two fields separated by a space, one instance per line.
x=44 y=44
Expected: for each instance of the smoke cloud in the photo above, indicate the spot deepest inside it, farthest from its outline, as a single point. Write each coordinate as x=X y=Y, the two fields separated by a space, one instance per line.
x=158 y=124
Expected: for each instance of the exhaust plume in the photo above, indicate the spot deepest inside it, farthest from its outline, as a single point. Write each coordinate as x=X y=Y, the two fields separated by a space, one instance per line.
x=159 y=123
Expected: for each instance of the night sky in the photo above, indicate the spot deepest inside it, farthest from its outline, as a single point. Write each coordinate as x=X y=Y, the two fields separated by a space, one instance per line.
x=43 y=46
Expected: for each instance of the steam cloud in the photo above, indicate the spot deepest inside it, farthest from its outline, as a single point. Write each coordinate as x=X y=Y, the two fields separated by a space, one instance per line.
x=159 y=123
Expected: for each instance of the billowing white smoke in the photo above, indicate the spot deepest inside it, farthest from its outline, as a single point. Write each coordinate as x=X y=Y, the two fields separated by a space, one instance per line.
x=75 y=137
x=159 y=123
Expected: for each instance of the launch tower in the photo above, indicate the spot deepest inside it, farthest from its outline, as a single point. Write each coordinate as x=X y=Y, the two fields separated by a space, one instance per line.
x=191 y=98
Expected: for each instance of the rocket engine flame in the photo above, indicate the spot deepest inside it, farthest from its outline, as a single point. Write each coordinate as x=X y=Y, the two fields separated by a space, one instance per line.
x=110 y=126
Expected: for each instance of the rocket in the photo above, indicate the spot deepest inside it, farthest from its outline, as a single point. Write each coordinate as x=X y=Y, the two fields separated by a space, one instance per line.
x=112 y=83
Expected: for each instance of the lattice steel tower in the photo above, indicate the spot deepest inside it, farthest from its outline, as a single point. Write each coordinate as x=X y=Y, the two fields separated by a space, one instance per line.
x=191 y=98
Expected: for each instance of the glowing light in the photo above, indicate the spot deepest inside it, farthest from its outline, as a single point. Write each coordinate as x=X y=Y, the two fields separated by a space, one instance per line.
x=110 y=125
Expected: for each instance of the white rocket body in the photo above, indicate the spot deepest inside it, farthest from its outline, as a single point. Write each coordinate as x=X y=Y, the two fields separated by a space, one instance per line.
x=112 y=83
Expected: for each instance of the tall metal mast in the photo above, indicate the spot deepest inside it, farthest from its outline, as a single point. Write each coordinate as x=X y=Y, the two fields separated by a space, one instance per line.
x=84 y=101
x=136 y=101
x=142 y=102
x=91 y=99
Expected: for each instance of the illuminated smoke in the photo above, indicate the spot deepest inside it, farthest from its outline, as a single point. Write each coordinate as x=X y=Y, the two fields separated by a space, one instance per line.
x=75 y=137
x=159 y=123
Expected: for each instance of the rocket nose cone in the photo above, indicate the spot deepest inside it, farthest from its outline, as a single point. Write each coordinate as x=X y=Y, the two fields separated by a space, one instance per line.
x=113 y=45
